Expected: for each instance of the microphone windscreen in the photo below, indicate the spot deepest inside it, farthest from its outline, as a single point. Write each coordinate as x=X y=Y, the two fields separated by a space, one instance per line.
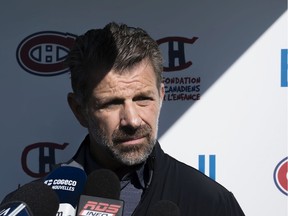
x=164 y=208
x=40 y=198
x=102 y=183
x=68 y=183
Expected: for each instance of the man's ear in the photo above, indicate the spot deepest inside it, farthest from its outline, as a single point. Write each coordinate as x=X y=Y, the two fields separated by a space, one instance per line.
x=78 y=109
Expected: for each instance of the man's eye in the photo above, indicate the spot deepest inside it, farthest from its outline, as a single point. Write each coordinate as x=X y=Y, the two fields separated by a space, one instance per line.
x=143 y=100
x=110 y=104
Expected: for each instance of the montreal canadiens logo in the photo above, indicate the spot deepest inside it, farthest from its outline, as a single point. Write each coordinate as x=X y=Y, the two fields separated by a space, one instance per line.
x=43 y=53
x=281 y=176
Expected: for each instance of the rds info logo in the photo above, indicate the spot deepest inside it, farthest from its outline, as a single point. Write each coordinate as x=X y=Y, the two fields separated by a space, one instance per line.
x=281 y=176
x=43 y=53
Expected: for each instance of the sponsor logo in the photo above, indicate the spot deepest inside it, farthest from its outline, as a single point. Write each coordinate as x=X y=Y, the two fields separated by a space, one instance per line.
x=281 y=176
x=284 y=68
x=182 y=88
x=178 y=88
x=100 y=209
x=43 y=53
x=61 y=184
x=46 y=152
x=69 y=182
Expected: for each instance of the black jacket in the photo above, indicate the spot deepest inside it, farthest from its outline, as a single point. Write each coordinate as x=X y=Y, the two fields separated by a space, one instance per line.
x=193 y=192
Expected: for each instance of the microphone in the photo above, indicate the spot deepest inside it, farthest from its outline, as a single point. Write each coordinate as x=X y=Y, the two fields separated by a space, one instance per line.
x=164 y=208
x=32 y=199
x=68 y=183
x=101 y=195
x=15 y=208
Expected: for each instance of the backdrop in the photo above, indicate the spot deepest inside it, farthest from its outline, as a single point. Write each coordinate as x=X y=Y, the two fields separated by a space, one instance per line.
x=225 y=108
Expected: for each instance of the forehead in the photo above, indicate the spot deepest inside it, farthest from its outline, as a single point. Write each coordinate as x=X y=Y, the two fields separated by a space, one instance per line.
x=140 y=77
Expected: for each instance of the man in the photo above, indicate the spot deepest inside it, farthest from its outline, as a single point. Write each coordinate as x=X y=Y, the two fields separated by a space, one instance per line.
x=117 y=95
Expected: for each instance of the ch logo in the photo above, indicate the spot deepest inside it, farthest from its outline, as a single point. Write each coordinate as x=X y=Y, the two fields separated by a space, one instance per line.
x=44 y=53
x=176 y=50
x=281 y=176
x=46 y=158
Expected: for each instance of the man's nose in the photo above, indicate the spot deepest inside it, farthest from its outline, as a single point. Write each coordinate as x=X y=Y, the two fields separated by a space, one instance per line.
x=130 y=115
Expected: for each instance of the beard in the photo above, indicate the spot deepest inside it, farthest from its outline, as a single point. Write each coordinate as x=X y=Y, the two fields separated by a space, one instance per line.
x=126 y=154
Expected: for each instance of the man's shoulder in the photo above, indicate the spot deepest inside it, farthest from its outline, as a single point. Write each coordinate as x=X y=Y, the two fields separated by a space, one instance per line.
x=193 y=189
x=192 y=179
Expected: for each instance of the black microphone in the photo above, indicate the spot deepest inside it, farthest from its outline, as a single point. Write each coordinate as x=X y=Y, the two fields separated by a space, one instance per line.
x=32 y=199
x=164 y=208
x=101 y=195
x=68 y=183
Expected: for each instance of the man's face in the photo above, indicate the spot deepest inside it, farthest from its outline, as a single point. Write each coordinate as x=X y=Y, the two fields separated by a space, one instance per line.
x=123 y=114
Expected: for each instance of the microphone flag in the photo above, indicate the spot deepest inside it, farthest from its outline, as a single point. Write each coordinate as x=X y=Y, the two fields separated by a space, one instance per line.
x=89 y=205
